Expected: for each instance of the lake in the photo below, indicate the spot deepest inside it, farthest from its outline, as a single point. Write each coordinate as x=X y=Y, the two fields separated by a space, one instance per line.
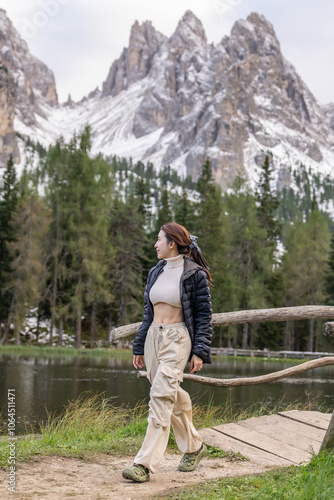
x=47 y=384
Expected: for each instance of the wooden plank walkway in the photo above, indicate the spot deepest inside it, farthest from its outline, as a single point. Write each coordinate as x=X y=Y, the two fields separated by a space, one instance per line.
x=285 y=439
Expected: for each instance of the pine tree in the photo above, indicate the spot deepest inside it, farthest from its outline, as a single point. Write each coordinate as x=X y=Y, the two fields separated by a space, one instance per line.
x=53 y=173
x=267 y=203
x=267 y=214
x=28 y=259
x=210 y=227
x=164 y=211
x=208 y=222
x=97 y=291
x=248 y=260
x=142 y=194
x=329 y=278
x=126 y=232
x=8 y=206
x=184 y=209
x=314 y=204
x=78 y=192
x=305 y=264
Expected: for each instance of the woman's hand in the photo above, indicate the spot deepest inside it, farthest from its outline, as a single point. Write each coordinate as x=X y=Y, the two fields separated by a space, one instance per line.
x=138 y=361
x=196 y=364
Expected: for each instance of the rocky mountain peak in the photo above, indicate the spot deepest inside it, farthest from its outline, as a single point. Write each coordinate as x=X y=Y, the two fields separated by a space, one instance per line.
x=179 y=100
x=261 y=23
x=189 y=31
x=228 y=102
x=143 y=34
x=255 y=35
x=35 y=83
x=144 y=43
x=26 y=86
x=136 y=60
x=174 y=80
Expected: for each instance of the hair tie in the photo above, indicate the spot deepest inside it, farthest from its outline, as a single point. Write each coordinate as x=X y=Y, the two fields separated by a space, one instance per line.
x=193 y=243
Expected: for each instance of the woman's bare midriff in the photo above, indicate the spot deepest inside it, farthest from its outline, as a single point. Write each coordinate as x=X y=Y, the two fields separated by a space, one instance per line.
x=165 y=313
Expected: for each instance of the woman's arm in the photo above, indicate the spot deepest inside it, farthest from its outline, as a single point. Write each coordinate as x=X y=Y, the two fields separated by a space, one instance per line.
x=202 y=317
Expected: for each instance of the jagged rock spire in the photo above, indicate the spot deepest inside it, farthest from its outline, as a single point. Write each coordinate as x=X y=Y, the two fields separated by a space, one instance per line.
x=136 y=60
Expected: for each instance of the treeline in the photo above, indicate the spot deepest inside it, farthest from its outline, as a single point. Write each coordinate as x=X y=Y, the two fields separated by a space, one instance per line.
x=77 y=236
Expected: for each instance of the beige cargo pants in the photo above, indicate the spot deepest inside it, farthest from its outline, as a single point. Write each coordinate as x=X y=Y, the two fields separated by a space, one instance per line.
x=167 y=350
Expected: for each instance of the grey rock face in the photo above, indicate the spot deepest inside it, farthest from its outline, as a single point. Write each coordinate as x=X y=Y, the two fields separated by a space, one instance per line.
x=283 y=179
x=8 y=144
x=215 y=99
x=230 y=102
x=329 y=114
x=135 y=61
x=33 y=82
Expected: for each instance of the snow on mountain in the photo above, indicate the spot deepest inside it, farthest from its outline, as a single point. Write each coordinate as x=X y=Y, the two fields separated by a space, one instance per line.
x=179 y=100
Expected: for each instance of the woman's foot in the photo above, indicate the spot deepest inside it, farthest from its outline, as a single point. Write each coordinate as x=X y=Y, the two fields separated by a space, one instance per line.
x=137 y=473
x=190 y=461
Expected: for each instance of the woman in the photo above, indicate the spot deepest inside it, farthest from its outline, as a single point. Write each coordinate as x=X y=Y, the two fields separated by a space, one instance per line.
x=176 y=327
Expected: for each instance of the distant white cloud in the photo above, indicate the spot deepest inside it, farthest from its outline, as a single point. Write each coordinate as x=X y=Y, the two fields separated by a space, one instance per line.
x=79 y=39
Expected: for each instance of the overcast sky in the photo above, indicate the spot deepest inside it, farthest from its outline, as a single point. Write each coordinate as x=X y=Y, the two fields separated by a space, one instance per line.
x=79 y=39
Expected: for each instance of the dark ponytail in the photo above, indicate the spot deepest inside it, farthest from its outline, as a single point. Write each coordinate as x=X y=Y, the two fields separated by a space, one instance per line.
x=186 y=244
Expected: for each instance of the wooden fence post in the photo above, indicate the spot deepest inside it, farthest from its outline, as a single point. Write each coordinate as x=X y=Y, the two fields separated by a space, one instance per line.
x=328 y=329
x=328 y=441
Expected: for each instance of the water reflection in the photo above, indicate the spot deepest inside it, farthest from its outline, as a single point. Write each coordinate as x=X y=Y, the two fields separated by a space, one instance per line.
x=48 y=384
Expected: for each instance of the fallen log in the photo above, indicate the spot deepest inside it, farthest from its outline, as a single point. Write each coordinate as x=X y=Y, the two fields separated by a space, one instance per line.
x=251 y=316
x=274 y=314
x=123 y=332
x=262 y=379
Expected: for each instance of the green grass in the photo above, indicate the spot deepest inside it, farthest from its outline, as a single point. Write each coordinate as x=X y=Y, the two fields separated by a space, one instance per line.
x=49 y=351
x=89 y=425
x=314 y=481
x=94 y=424
x=260 y=359
x=55 y=351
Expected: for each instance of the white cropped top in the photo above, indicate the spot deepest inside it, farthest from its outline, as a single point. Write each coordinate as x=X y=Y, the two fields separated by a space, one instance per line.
x=167 y=287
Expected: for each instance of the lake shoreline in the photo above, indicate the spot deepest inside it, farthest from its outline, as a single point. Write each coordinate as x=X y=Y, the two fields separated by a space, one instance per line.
x=57 y=351
x=45 y=379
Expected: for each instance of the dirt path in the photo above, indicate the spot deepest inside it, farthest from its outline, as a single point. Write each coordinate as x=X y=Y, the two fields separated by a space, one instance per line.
x=57 y=478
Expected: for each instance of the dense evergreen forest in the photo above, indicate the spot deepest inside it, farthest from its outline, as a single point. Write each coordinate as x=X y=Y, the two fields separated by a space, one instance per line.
x=77 y=235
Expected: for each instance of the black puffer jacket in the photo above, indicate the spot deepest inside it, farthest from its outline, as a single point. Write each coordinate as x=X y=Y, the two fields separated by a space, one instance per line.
x=196 y=305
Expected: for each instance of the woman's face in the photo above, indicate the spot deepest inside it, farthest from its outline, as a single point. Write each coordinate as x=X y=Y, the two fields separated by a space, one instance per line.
x=164 y=248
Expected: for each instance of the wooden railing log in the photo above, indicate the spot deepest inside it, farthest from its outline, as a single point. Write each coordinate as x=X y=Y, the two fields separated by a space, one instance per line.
x=262 y=379
x=251 y=316
x=274 y=314
x=123 y=332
